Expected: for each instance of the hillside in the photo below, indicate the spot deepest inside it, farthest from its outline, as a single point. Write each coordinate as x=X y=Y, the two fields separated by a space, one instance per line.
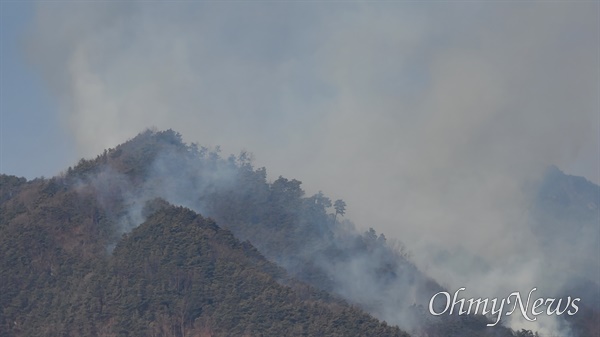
x=177 y=274
x=100 y=251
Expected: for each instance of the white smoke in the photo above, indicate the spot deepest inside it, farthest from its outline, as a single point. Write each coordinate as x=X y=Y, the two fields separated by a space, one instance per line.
x=428 y=119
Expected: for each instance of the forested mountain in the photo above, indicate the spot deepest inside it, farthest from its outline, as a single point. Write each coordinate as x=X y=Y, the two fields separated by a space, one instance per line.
x=101 y=251
x=176 y=274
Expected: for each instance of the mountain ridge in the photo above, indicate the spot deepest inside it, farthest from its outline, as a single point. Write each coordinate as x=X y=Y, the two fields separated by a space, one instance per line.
x=86 y=211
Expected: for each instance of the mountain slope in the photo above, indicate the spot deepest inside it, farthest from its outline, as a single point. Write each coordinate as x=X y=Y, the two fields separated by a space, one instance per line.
x=177 y=274
x=180 y=272
x=67 y=269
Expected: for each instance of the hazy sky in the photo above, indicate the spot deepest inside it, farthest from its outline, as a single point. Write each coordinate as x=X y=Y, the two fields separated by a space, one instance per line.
x=347 y=97
x=273 y=77
x=423 y=116
x=33 y=139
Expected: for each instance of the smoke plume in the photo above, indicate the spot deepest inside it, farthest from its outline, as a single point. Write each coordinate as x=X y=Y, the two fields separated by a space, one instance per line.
x=432 y=121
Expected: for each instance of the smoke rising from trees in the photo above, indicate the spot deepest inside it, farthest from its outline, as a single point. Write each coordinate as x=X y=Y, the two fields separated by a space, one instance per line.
x=432 y=121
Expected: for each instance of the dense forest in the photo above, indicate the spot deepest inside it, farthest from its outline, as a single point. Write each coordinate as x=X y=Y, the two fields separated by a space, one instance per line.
x=160 y=238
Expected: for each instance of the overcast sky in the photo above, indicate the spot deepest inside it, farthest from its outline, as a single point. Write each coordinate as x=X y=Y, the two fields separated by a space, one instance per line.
x=422 y=116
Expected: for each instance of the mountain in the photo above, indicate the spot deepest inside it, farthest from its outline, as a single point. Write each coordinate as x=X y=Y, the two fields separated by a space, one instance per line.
x=567 y=223
x=100 y=250
x=176 y=274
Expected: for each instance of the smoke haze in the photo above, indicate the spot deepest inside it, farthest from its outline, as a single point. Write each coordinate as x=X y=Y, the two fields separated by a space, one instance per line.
x=425 y=118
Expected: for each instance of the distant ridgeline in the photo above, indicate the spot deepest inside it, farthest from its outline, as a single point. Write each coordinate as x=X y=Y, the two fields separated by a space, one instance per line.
x=101 y=251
